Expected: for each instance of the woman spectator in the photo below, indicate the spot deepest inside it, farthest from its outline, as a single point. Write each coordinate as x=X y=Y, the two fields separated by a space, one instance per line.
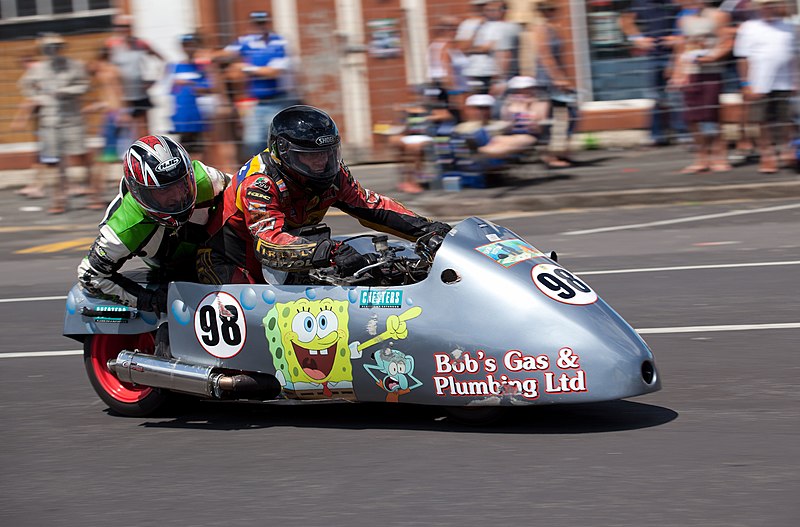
x=445 y=65
x=697 y=72
x=552 y=73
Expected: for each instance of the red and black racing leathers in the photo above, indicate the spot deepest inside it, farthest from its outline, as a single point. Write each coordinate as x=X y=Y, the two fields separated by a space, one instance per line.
x=251 y=227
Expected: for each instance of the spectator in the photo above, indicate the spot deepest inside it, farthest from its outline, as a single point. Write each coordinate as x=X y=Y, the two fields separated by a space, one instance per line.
x=56 y=85
x=116 y=122
x=697 y=72
x=488 y=44
x=526 y=107
x=130 y=54
x=446 y=64
x=738 y=12
x=486 y=137
x=768 y=49
x=649 y=26
x=28 y=114
x=421 y=123
x=265 y=62
x=552 y=72
x=189 y=83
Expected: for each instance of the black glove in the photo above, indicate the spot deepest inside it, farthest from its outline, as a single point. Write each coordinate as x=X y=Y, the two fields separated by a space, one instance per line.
x=438 y=227
x=154 y=300
x=347 y=259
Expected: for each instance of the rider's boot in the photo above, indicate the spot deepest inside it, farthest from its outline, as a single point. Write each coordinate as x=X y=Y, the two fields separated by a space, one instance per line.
x=162 y=342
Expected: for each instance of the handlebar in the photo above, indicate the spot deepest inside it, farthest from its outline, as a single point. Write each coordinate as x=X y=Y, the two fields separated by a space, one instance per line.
x=386 y=267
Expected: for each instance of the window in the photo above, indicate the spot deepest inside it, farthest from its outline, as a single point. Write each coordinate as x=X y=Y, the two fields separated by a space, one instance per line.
x=27 y=18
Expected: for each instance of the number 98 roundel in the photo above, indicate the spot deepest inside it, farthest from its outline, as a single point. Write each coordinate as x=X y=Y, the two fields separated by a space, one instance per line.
x=561 y=285
x=219 y=325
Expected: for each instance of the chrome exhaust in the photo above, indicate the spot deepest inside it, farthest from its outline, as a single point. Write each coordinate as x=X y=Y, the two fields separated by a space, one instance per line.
x=196 y=379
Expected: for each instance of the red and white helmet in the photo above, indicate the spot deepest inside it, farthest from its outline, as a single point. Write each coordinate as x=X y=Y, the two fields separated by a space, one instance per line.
x=159 y=176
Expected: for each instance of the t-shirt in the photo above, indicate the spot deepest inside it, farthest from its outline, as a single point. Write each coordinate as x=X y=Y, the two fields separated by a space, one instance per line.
x=771 y=50
x=655 y=19
x=258 y=51
x=500 y=33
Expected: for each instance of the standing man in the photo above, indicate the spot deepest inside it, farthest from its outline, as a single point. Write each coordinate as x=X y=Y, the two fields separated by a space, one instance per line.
x=129 y=54
x=649 y=26
x=56 y=85
x=265 y=62
x=768 y=50
x=488 y=43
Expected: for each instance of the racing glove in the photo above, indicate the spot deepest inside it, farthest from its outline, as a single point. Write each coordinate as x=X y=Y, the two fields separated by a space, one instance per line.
x=154 y=300
x=438 y=227
x=347 y=259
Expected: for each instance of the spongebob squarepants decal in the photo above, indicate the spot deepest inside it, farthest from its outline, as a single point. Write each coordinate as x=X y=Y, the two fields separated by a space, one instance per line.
x=309 y=341
x=393 y=371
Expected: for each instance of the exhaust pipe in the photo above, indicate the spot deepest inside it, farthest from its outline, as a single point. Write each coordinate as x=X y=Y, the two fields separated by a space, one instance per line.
x=180 y=376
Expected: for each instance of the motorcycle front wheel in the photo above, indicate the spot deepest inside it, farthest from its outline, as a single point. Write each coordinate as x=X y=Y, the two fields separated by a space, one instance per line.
x=123 y=398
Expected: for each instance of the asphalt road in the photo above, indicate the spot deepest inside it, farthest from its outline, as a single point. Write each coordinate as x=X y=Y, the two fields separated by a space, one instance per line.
x=717 y=446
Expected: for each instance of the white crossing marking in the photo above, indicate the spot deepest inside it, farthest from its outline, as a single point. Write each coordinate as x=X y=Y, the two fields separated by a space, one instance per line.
x=682 y=220
x=687 y=268
x=707 y=329
x=31 y=299
x=27 y=354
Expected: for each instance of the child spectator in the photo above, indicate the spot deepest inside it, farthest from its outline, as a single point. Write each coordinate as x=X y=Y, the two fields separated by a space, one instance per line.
x=524 y=108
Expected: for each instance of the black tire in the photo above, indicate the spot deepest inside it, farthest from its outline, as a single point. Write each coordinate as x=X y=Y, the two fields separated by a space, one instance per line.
x=475 y=415
x=122 y=398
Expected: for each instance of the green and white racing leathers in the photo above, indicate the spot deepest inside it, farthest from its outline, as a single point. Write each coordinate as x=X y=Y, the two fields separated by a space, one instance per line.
x=126 y=231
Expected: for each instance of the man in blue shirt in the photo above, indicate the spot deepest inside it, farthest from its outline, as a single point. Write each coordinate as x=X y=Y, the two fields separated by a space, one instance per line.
x=265 y=62
x=649 y=26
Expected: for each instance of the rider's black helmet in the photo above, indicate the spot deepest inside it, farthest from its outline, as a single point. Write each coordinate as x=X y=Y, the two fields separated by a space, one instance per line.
x=304 y=147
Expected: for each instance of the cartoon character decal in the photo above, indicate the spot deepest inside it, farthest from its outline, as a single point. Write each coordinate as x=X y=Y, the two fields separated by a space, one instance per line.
x=394 y=372
x=310 y=348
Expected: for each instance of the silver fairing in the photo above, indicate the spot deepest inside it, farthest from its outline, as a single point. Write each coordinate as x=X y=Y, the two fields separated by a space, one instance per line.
x=487 y=326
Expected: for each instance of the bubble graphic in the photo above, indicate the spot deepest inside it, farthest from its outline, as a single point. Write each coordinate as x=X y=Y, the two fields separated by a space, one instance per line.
x=352 y=296
x=268 y=296
x=181 y=313
x=310 y=293
x=248 y=298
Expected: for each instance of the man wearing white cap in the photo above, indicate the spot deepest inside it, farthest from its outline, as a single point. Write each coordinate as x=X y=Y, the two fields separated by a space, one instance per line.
x=56 y=86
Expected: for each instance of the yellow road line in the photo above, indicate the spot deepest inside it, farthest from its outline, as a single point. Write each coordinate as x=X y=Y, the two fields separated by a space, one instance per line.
x=33 y=228
x=77 y=243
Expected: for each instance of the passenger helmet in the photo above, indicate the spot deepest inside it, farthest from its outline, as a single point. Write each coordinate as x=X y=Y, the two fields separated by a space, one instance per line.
x=159 y=176
x=304 y=147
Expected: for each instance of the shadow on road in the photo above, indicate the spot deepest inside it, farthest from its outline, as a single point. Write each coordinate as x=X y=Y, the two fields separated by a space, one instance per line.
x=567 y=419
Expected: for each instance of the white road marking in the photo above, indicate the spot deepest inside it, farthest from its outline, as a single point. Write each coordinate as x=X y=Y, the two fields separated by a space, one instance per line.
x=31 y=299
x=687 y=268
x=707 y=329
x=682 y=220
x=581 y=273
x=641 y=331
x=27 y=354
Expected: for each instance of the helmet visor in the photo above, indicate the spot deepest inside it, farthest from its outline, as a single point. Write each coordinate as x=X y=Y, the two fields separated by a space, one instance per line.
x=318 y=165
x=172 y=198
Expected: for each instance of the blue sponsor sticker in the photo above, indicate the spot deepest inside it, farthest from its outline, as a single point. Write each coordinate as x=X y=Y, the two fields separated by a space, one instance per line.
x=509 y=252
x=381 y=298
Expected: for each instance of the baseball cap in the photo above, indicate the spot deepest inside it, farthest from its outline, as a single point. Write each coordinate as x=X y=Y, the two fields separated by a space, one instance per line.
x=259 y=16
x=520 y=82
x=480 y=100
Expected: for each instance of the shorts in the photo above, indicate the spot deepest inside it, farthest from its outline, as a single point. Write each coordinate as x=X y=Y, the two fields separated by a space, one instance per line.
x=139 y=107
x=773 y=107
x=701 y=98
x=67 y=140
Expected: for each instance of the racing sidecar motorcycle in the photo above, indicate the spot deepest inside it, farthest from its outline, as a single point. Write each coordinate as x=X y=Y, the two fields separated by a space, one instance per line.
x=488 y=321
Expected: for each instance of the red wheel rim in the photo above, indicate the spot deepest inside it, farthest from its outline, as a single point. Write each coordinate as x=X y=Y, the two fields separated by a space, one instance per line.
x=105 y=347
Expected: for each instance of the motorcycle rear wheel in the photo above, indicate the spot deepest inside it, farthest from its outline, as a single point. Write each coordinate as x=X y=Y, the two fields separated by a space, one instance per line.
x=123 y=398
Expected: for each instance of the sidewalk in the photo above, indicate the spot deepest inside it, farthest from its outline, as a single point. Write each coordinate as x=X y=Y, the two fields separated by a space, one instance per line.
x=600 y=178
